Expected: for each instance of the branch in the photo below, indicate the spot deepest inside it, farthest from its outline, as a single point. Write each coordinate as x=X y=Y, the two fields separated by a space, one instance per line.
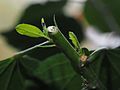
x=30 y=49
x=60 y=41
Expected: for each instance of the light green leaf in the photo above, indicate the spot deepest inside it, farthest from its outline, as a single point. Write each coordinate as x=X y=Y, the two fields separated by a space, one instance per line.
x=74 y=40
x=29 y=30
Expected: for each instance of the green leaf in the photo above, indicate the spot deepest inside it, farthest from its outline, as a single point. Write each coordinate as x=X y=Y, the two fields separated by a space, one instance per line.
x=29 y=30
x=50 y=71
x=74 y=40
x=58 y=72
x=17 y=73
x=14 y=72
x=106 y=68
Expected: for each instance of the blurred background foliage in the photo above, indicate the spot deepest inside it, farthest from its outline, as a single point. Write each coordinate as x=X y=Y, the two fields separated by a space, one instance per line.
x=48 y=68
x=103 y=14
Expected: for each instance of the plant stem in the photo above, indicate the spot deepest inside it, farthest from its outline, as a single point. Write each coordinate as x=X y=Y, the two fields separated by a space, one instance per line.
x=60 y=41
x=29 y=49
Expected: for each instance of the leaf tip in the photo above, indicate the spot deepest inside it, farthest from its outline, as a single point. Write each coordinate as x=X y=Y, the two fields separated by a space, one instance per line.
x=17 y=28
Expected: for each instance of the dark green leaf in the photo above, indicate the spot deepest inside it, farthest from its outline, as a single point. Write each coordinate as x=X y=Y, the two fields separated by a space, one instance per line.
x=15 y=71
x=106 y=68
x=58 y=72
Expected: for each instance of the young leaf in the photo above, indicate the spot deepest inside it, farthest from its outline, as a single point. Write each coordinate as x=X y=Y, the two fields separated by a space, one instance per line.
x=29 y=30
x=74 y=40
x=85 y=51
x=45 y=31
x=43 y=22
